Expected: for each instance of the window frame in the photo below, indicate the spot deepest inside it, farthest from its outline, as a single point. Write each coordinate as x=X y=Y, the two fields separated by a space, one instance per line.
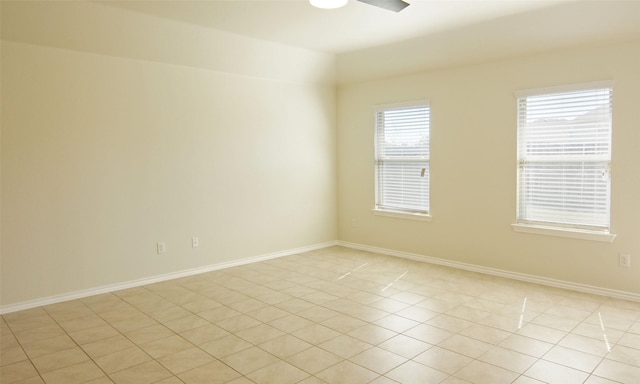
x=584 y=231
x=400 y=212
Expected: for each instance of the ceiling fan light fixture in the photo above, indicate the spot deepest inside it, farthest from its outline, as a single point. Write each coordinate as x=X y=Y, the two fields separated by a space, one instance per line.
x=328 y=4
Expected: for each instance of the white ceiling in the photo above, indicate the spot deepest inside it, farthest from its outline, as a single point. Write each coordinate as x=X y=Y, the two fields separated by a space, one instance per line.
x=367 y=42
x=353 y=27
x=371 y=42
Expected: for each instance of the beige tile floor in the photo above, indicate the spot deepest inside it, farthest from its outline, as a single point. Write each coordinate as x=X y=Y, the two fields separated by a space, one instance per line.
x=334 y=315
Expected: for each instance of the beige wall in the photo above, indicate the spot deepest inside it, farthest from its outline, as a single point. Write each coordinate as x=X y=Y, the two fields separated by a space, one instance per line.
x=121 y=130
x=103 y=155
x=473 y=165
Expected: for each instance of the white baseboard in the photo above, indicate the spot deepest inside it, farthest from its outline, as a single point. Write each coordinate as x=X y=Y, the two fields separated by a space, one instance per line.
x=254 y=259
x=156 y=279
x=499 y=272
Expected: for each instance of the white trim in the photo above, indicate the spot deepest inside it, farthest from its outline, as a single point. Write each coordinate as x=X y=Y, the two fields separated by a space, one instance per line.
x=572 y=233
x=412 y=256
x=403 y=104
x=631 y=296
x=401 y=215
x=565 y=88
x=158 y=278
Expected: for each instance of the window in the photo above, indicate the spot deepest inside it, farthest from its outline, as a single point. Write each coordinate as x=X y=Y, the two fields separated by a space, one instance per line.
x=402 y=160
x=564 y=154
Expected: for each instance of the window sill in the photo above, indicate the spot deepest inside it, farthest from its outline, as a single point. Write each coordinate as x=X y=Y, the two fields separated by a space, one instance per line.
x=402 y=215
x=582 y=234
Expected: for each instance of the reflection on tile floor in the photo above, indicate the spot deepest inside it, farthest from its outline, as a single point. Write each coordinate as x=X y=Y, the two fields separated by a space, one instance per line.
x=334 y=315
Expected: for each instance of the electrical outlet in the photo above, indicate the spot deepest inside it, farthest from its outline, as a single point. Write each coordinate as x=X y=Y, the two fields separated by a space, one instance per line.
x=195 y=242
x=354 y=223
x=625 y=260
x=162 y=247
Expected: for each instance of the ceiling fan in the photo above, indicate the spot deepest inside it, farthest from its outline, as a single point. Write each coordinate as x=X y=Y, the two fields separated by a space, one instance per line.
x=391 y=5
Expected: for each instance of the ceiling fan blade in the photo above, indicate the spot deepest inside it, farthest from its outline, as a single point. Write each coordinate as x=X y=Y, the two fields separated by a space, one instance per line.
x=392 y=5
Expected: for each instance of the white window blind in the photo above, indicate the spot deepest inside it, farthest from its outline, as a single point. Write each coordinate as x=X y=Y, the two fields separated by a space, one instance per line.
x=564 y=154
x=402 y=158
